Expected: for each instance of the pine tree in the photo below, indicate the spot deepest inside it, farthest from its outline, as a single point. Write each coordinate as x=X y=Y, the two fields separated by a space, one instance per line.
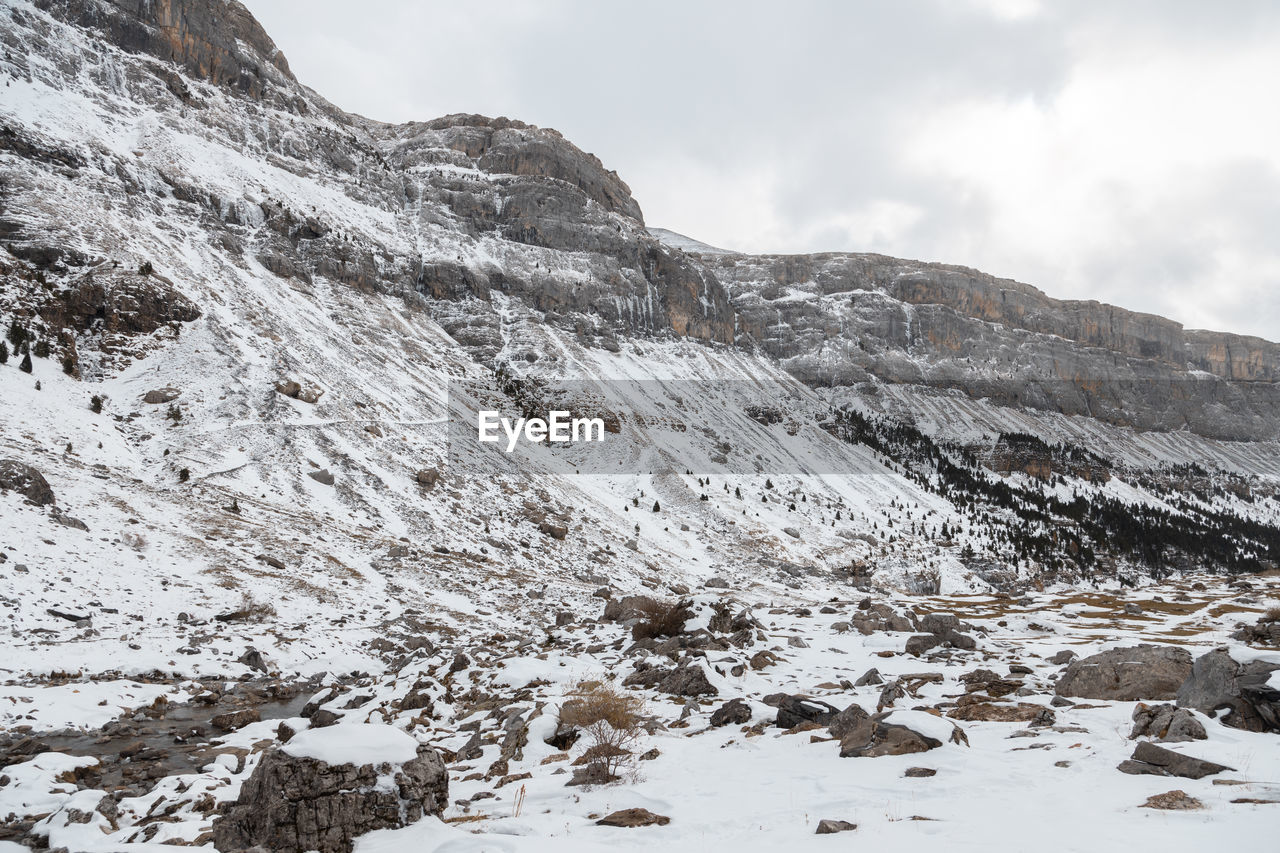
x=656 y=508
x=184 y=475
x=17 y=334
x=69 y=364
x=25 y=366
x=42 y=348
x=4 y=353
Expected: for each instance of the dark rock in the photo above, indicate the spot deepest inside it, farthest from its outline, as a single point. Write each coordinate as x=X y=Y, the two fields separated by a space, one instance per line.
x=875 y=737
x=794 y=710
x=919 y=772
x=735 y=712
x=871 y=677
x=290 y=804
x=847 y=720
x=19 y=477
x=1151 y=760
x=1063 y=657
x=921 y=643
x=323 y=476
x=1128 y=674
x=233 y=720
x=826 y=826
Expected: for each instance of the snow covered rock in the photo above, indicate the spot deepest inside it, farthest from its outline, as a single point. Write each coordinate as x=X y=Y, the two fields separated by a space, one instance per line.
x=876 y=736
x=327 y=786
x=1129 y=674
x=1217 y=681
x=19 y=477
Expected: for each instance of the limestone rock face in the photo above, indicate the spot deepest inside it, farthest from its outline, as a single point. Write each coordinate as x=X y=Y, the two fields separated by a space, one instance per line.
x=1125 y=675
x=216 y=41
x=293 y=804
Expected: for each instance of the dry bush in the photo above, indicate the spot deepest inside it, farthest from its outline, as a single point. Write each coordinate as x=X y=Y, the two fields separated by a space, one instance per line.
x=610 y=720
x=661 y=618
x=1272 y=614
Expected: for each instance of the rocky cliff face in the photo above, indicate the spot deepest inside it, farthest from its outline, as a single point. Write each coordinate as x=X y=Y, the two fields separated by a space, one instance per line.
x=462 y=208
x=841 y=319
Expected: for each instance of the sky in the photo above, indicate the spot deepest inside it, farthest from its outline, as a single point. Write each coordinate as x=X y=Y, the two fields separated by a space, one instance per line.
x=1127 y=152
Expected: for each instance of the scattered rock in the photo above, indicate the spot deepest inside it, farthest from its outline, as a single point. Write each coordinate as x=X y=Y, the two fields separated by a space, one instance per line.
x=826 y=826
x=876 y=737
x=233 y=720
x=1151 y=760
x=735 y=712
x=1128 y=674
x=634 y=817
x=1166 y=723
x=19 y=477
x=161 y=395
x=794 y=710
x=919 y=772
x=323 y=476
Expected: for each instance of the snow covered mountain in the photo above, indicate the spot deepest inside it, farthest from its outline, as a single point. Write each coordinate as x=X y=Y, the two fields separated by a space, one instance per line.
x=250 y=315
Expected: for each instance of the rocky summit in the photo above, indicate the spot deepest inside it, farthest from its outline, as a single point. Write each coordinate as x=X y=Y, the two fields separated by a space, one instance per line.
x=899 y=551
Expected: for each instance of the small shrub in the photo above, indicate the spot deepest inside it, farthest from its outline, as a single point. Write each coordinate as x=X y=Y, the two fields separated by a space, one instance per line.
x=146 y=268
x=174 y=414
x=661 y=618
x=609 y=719
x=4 y=353
x=136 y=541
x=69 y=364
x=95 y=404
x=41 y=349
x=184 y=475
x=1272 y=614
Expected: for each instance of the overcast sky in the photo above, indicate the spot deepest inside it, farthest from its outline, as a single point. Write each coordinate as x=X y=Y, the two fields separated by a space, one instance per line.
x=1121 y=151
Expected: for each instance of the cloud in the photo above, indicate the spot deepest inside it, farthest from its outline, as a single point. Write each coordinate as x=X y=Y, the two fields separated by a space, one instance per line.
x=1126 y=152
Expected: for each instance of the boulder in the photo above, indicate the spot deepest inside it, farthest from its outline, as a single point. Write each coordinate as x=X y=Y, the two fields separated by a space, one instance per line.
x=324 y=477
x=311 y=794
x=1151 y=760
x=633 y=817
x=875 y=737
x=1217 y=682
x=161 y=395
x=1166 y=723
x=847 y=720
x=428 y=477
x=921 y=643
x=19 y=477
x=827 y=826
x=794 y=710
x=735 y=712
x=1128 y=674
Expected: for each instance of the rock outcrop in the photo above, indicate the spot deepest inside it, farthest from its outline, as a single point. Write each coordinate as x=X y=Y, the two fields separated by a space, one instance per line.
x=295 y=801
x=1218 y=684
